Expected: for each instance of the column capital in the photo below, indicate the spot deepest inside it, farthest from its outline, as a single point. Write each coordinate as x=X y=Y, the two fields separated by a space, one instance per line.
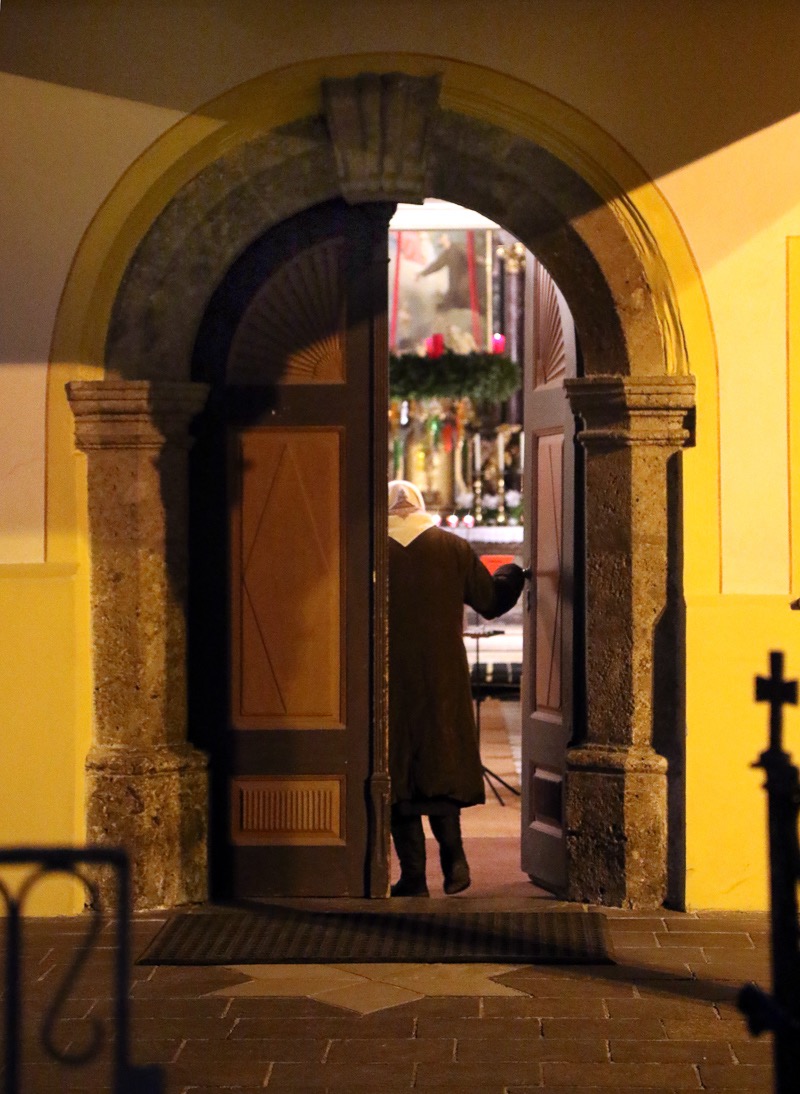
x=133 y=413
x=621 y=411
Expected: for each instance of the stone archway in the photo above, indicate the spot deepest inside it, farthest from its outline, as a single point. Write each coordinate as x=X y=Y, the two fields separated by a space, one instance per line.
x=384 y=137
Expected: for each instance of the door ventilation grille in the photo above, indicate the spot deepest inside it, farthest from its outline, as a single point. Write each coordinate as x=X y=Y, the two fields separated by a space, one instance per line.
x=287 y=810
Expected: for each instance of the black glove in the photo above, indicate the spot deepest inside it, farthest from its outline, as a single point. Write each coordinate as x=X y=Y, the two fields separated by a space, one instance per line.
x=508 y=582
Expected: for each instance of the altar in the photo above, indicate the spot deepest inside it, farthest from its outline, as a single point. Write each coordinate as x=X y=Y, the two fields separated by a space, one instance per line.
x=455 y=362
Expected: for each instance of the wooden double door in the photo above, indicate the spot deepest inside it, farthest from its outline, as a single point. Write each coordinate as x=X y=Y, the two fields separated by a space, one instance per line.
x=297 y=336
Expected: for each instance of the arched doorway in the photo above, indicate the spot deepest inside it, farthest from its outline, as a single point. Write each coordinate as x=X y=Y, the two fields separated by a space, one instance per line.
x=380 y=138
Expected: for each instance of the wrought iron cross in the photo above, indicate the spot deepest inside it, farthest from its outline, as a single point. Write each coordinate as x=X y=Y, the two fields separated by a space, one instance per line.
x=776 y=691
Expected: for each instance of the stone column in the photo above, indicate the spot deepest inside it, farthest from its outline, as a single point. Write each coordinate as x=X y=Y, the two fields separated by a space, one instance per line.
x=146 y=786
x=616 y=788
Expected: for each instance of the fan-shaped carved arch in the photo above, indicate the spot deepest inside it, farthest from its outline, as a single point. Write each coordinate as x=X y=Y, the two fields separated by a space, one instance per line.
x=293 y=330
x=554 y=339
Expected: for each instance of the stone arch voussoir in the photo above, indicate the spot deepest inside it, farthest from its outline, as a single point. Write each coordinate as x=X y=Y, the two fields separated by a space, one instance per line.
x=384 y=138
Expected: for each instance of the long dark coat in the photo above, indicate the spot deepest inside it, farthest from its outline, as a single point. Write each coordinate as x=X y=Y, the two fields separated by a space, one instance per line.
x=433 y=742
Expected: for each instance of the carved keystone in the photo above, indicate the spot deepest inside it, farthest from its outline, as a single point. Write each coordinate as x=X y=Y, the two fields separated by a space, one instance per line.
x=380 y=126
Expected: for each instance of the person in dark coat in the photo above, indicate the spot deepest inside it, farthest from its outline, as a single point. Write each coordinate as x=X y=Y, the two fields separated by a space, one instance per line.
x=434 y=757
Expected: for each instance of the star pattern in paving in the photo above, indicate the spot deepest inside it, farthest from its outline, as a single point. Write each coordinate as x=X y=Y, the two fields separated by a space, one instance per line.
x=367 y=988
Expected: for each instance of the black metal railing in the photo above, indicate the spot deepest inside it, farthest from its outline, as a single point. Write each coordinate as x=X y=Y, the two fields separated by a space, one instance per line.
x=77 y=863
x=780 y=1011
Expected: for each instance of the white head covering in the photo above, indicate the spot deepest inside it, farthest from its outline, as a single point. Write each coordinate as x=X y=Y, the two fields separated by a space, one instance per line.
x=404 y=498
x=407 y=516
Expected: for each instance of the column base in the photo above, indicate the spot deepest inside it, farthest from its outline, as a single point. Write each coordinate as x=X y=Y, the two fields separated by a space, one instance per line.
x=616 y=822
x=154 y=804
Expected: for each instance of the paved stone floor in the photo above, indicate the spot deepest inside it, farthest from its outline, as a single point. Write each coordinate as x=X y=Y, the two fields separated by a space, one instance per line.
x=662 y=1019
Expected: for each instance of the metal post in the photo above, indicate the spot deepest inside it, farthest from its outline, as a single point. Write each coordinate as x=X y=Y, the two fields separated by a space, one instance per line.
x=13 y=1001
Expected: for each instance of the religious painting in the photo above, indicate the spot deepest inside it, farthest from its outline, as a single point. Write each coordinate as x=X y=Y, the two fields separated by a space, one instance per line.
x=440 y=286
x=452 y=430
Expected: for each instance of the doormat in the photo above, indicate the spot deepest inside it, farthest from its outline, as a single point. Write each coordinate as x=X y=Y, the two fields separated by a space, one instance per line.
x=275 y=935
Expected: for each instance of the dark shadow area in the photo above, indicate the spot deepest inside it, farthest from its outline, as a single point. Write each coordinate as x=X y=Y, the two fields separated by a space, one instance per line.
x=657 y=981
x=264 y=933
x=208 y=622
x=672 y=62
x=669 y=689
x=226 y=309
x=579 y=700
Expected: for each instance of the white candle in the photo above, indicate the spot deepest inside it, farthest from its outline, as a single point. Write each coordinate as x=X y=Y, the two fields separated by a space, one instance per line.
x=501 y=454
x=458 y=466
x=521 y=452
x=476 y=448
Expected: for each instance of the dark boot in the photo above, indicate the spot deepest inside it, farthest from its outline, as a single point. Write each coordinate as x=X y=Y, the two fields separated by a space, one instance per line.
x=409 y=842
x=455 y=867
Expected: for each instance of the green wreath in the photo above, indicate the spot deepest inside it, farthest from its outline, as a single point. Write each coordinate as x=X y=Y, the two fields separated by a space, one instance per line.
x=492 y=377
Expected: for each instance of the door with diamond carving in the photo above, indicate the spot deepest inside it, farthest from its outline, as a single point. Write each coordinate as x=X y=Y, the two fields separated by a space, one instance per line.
x=550 y=357
x=306 y=370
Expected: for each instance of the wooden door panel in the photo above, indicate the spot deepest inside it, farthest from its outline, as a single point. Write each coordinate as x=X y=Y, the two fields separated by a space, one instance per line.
x=305 y=651
x=549 y=458
x=545 y=730
x=258 y=689
x=549 y=491
x=286 y=566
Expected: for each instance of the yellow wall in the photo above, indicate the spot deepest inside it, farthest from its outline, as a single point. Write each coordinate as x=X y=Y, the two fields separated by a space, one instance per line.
x=704 y=102
x=728 y=644
x=44 y=740
x=45 y=680
x=729 y=636
x=740 y=246
x=59 y=183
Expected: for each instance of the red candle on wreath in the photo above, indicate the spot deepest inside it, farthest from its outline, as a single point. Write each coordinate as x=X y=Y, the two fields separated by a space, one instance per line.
x=434 y=346
x=498 y=343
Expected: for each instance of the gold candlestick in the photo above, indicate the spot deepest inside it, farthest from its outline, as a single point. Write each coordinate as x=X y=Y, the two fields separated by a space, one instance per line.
x=501 y=471
x=477 y=481
x=501 y=502
x=477 y=492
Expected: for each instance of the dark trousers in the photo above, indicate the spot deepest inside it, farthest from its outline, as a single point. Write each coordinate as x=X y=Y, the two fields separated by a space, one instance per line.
x=409 y=841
